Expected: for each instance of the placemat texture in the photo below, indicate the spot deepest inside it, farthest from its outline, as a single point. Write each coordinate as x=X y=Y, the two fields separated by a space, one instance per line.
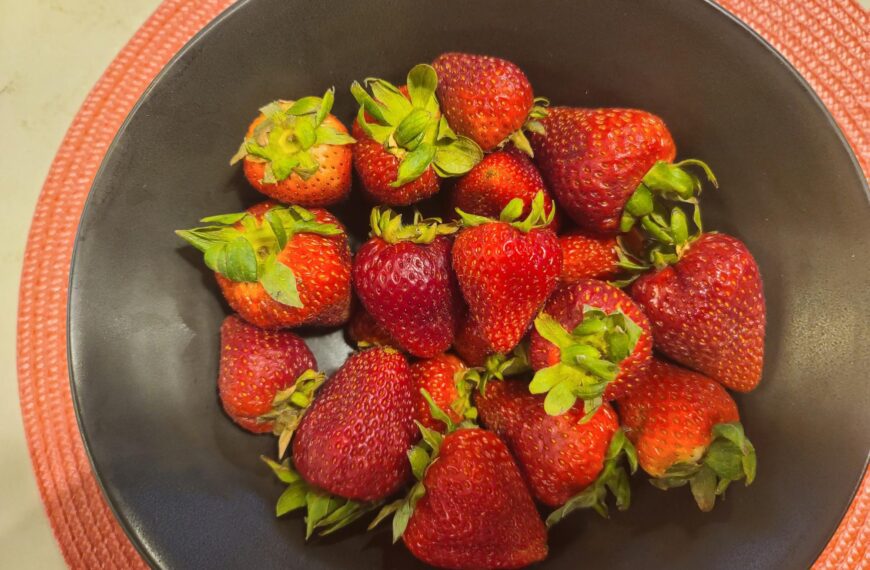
x=827 y=40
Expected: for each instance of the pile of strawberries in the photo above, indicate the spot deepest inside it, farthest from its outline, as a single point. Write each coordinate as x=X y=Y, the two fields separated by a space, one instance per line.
x=497 y=367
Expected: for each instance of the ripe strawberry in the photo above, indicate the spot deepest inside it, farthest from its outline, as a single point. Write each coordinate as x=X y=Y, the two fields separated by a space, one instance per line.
x=279 y=266
x=487 y=99
x=404 y=144
x=470 y=344
x=403 y=278
x=588 y=256
x=471 y=508
x=364 y=329
x=592 y=342
x=296 y=152
x=496 y=180
x=707 y=310
x=506 y=270
x=687 y=430
x=568 y=462
x=437 y=376
x=353 y=442
x=593 y=160
x=256 y=365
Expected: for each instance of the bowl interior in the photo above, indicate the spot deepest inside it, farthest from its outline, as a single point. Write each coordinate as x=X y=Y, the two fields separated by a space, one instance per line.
x=144 y=313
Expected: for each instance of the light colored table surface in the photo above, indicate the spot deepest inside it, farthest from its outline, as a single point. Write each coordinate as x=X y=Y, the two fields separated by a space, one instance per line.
x=51 y=54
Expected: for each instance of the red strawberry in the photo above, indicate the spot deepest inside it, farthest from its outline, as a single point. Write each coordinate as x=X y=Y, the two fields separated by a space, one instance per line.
x=296 y=152
x=353 y=442
x=496 y=180
x=255 y=366
x=279 y=266
x=471 y=508
x=587 y=256
x=364 y=329
x=591 y=342
x=470 y=344
x=485 y=98
x=561 y=456
x=593 y=160
x=403 y=278
x=707 y=310
x=404 y=144
x=438 y=377
x=506 y=270
x=687 y=430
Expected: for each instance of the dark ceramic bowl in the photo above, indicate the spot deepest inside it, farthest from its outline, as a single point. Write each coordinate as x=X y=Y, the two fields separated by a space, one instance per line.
x=188 y=486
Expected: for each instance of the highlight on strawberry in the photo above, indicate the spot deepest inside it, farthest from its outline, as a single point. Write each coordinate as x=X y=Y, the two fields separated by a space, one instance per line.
x=420 y=309
x=278 y=266
x=405 y=144
x=687 y=431
x=297 y=152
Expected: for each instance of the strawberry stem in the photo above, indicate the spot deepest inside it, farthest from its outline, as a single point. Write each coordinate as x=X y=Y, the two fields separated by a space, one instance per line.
x=536 y=219
x=387 y=225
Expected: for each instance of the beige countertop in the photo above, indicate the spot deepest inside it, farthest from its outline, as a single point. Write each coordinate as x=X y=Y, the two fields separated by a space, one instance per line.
x=51 y=54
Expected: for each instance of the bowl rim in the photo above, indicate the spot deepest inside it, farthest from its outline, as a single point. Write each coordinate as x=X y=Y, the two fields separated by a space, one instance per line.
x=227 y=13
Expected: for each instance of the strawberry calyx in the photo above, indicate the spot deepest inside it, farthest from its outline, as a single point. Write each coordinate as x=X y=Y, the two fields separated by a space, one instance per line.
x=290 y=405
x=412 y=128
x=589 y=357
x=421 y=456
x=613 y=478
x=285 y=138
x=387 y=225
x=533 y=124
x=655 y=209
x=729 y=457
x=325 y=513
x=243 y=248
x=537 y=218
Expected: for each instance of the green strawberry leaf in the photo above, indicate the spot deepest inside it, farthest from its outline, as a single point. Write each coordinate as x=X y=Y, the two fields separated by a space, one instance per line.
x=304 y=106
x=456 y=157
x=325 y=106
x=240 y=261
x=279 y=281
x=277 y=226
x=703 y=486
x=294 y=497
x=396 y=105
x=368 y=105
x=304 y=132
x=422 y=82
x=560 y=399
x=282 y=470
x=226 y=219
x=414 y=164
x=410 y=130
x=325 y=134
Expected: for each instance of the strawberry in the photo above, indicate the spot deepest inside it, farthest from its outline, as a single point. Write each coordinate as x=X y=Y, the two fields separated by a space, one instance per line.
x=470 y=344
x=687 y=430
x=707 y=310
x=404 y=144
x=487 y=99
x=588 y=256
x=593 y=160
x=354 y=439
x=437 y=376
x=592 y=342
x=297 y=152
x=279 y=266
x=568 y=462
x=470 y=507
x=506 y=270
x=495 y=181
x=403 y=278
x=256 y=365
x=364 y=330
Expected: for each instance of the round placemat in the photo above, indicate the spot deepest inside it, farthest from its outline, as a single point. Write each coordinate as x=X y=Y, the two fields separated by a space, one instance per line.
x=827 y=40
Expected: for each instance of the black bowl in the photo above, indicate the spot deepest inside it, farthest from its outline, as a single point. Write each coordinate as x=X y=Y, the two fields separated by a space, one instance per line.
x=188 y=486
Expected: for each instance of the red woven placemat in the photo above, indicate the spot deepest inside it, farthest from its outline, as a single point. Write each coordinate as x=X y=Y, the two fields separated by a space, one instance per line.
x=827 y=40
